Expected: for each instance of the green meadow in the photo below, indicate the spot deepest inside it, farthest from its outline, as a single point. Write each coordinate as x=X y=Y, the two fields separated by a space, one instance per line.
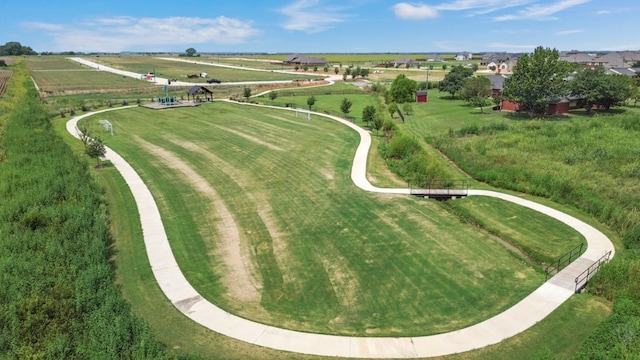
x=319 y=255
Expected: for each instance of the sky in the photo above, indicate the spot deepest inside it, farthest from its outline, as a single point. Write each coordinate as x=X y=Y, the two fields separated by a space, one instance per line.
x=322 y=26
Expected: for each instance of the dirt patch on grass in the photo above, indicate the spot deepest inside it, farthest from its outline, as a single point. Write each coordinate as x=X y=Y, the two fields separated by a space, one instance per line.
x=278 y=235
x=251 y=138
x=231 y=249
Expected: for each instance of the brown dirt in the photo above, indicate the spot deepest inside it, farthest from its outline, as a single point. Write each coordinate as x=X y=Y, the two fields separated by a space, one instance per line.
x=231 y=248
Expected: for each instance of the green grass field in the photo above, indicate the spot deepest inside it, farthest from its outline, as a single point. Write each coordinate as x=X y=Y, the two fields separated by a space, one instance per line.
x=265 y=222
x=167 y=160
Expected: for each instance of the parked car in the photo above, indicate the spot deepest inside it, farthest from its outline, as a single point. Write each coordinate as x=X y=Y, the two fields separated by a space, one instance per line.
x=214 y=81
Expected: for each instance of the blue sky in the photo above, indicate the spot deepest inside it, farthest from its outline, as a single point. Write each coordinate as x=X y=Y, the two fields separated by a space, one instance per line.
x=322 y=26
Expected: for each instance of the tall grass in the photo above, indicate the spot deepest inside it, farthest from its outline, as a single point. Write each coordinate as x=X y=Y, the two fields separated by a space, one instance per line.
x=58 y=298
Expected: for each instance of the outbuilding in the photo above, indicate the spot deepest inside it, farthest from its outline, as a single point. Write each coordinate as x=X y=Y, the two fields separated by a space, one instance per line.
x=422 y=96
x=198 y=90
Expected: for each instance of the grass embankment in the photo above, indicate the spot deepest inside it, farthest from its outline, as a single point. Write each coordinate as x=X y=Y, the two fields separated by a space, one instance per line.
x=316 y=253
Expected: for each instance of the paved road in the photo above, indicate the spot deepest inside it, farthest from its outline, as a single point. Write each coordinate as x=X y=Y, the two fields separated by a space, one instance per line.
x=532 y=309
x=164 y=81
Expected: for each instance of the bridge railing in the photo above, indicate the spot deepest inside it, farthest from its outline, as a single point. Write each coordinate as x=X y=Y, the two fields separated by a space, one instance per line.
x=583 y=278
x=562 y=261
x=439 y=187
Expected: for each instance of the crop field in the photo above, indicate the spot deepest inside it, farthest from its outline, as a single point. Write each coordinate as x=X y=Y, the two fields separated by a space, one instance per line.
x=265 y=222
x=179 y=69
x=4 y=77
x=54 y=75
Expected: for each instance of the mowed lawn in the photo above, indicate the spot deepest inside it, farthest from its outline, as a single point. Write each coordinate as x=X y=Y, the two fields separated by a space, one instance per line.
x=266 y=223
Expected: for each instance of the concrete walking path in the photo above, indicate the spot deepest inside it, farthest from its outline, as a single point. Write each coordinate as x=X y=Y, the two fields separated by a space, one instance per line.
x=530 y=310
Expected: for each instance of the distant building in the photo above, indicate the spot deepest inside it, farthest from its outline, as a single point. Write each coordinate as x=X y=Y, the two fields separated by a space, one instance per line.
x=297 y=59
x=422 y=96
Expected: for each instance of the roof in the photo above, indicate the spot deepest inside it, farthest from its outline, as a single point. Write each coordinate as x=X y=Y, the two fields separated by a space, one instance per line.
x=198 y=89
x=421 y=92
x=623 y=71
x=497 y=81
x=404 y=61
x=302 y=59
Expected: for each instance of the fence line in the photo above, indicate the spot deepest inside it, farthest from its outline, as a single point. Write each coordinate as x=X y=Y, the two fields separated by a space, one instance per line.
x=563 y=261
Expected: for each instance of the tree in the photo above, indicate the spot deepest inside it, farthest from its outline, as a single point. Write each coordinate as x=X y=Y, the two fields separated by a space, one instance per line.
x=190 y=52
x=336 y=70
x=378 y=121
x=273 y=95
x=94 y=148
x=477 y=91
x=403 y=89
x=14 y=48
x=345 y=106
x=454 y=80
x=537 y=78
x=596 y=87
x=246 y=93
x=311 y=100
x=393 y=108
x=368 y=114
x=407 y=108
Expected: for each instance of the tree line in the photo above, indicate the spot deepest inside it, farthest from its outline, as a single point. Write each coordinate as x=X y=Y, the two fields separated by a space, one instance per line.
x=541 y=77
x=14 y=48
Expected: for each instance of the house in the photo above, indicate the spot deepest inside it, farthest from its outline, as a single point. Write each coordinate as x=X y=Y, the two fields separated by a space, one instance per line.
x=624 y=71
x=585 y=60
x=297 y=59
x=497 y=83
x=422 y=96
x=404 y=62
x=463 y=56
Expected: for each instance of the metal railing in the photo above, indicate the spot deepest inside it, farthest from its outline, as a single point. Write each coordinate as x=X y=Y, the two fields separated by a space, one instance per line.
x=583 y=278
x=439 y=187
x=562 y=262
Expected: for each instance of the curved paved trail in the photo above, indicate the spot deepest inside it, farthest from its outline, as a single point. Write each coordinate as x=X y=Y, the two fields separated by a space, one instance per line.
x=514 y=320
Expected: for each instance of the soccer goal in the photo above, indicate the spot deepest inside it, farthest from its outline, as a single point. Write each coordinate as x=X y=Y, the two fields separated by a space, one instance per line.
x=302 y=111
x=107 y=126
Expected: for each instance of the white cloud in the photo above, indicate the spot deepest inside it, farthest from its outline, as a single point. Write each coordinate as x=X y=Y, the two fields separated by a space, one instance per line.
x=542 y=11
x=510 y=47
x=125 y=33
x=480 y=7
x=414 y=11
x=310 y=16
x=568 y=32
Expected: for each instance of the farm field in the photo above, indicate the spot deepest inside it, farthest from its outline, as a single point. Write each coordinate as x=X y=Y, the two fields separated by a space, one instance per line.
x=313 y=253
x=55 y=75
x=180 y=69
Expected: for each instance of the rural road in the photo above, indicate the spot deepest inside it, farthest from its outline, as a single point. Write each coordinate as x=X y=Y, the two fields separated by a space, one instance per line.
x=165 y=81
x=523 y=315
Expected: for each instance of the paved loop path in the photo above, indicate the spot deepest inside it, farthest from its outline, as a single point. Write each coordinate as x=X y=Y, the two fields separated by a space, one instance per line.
x=514 y=320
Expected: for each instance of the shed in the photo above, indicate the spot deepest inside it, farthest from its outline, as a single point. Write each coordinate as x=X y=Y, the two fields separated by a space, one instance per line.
x=199 y=90
x=422 y=96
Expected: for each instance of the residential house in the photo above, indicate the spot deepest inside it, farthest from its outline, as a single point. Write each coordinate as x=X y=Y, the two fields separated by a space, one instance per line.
x=463 y=56
x=297 y=59
x=404 y=62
